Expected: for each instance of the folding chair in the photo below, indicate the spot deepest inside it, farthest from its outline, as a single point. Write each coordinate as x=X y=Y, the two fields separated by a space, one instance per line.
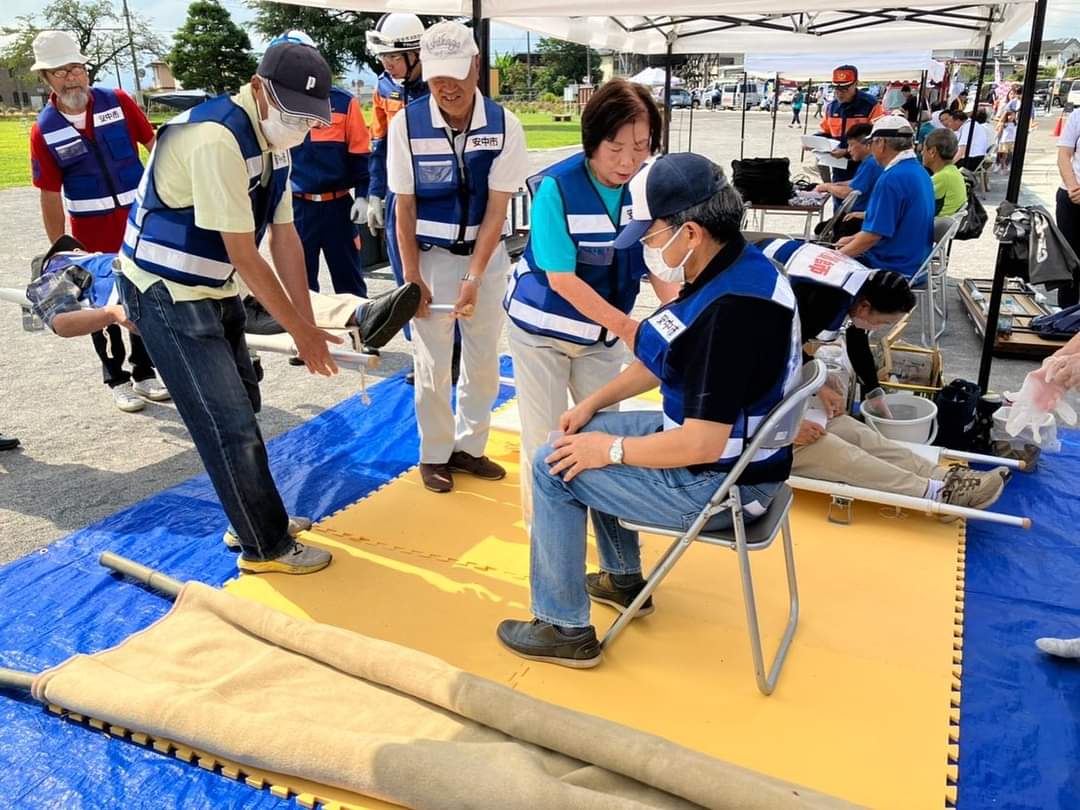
x=828 y=232
x=778 y=430
x=930 y=281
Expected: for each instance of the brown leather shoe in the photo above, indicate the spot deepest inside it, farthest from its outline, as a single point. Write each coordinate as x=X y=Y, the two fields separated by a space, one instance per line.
x=482 y=467
x=437 y=477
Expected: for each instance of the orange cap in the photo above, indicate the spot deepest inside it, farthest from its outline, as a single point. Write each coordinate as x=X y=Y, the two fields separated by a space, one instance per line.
x=845 y=74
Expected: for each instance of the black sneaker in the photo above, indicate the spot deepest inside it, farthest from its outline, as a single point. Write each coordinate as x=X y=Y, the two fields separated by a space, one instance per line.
x=540 y=641
x=384 y=316
x=602 y=589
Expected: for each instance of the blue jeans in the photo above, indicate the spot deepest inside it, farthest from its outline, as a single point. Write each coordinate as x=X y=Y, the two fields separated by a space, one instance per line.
x=671 y=497
x=201 y=355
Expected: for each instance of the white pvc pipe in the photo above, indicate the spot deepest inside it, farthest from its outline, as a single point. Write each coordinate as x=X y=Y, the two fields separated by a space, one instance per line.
x=934 y=454
x=905 y=501
x=14 y=295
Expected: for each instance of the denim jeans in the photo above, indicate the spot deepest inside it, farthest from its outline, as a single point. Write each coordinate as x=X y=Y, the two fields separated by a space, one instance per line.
x=201 y=355
x=670 y=497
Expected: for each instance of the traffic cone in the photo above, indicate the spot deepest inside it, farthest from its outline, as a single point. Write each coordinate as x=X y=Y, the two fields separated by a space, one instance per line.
x=1058 y=125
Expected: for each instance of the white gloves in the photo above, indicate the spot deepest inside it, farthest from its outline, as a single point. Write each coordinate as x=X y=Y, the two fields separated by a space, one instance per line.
x=1035 y=405
x=376 y=219
x=359 y=211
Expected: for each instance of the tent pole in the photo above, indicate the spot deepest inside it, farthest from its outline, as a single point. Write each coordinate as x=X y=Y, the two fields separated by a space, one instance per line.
x=775 y=110
x=667 y=97
x=806 y=108
x=742 y=134
x=690 y=134
x=482 y=33
x=1012 y=192
x=979 y=86
x=919 y=106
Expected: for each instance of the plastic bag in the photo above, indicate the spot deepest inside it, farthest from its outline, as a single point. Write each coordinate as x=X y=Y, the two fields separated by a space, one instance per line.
x=1033 y=410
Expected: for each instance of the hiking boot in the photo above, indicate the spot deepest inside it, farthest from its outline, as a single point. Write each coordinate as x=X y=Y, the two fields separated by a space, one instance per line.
x=383 y=317
x=482 y=467
x=436 y=477
x=602 y=588
x=575 y=647
x=297 y=559
x=8 y=442
x=975 y=490
x=152 y=389
x=296 y=525
x=126 y=399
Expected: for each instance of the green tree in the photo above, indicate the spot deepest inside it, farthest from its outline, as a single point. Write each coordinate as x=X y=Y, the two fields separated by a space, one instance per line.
x=210 y=51
x=99 y=30
x=513 y=75
x=564 y=63
x=339 y=34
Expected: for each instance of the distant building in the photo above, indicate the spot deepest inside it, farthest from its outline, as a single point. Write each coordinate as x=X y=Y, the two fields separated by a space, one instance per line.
x=20 y=91
x=1054 y=53
x=163 y=78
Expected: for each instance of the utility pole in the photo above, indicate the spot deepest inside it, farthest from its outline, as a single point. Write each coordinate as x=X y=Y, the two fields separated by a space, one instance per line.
x=528 y=64
x=134 y=60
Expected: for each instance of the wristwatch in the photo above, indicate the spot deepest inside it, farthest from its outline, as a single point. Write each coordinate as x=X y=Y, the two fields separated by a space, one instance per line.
x=615 y=454
x=475 y=279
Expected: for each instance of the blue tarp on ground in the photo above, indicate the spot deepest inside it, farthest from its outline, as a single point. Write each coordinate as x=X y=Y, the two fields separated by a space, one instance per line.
x=59 y=601
x=1020 y=708
x=1019 y=732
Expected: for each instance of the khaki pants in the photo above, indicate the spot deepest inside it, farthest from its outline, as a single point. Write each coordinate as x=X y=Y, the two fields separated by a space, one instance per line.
x=546 y=371
x=441 y=433
x=334 y=311
x=852 y=453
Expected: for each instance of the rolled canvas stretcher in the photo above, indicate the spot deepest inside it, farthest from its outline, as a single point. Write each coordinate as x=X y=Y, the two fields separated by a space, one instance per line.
x=278 y=344
x=207 y=683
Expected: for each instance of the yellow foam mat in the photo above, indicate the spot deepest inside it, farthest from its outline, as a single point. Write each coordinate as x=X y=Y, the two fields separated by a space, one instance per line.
x=867 y=704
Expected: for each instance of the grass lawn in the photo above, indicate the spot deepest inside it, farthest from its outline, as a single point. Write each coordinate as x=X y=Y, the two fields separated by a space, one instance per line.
x=541 y=132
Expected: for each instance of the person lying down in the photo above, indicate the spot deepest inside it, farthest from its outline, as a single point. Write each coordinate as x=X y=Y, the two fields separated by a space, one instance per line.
x=74 y=293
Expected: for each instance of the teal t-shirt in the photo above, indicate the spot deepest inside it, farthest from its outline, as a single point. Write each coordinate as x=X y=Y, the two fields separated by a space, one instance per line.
x=552 y=246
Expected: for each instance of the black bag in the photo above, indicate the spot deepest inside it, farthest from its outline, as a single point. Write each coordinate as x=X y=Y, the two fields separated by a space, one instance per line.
x=976 y=218
x=1035 y=250
x=956 y=403
x=766 y=181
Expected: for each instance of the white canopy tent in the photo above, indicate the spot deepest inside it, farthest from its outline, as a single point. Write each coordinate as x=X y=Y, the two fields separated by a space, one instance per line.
x=654 y=77
x=895 y=65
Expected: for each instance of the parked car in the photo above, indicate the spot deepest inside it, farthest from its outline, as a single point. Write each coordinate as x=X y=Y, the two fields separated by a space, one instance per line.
x=787 y=96
x=1072 y=101
x=681 y=98
x=729 y=96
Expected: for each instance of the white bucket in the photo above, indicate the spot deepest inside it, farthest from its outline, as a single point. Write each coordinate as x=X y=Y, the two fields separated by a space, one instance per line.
x=914 y=419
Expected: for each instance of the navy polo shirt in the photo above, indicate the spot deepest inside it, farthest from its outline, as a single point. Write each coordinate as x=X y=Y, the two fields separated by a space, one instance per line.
x=901 y=212
x=866 y=177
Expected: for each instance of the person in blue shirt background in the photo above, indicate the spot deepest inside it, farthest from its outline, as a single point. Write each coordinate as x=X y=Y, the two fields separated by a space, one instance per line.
x=570 y=296
x=898 y=231
x=866 y=176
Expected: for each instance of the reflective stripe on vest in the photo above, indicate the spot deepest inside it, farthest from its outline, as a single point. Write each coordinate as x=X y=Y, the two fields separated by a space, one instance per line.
x=615 y=275
x=99 y=174
x=451 y=194
x=166 y=241
x=751 y=275
x=809 y=264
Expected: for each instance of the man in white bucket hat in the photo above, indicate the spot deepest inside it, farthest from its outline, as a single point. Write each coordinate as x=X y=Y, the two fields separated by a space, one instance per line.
x=84 y=154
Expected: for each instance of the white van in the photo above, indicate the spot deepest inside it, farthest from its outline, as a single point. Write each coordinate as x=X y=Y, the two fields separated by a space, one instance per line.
x=1072 y=101
x=731 y=98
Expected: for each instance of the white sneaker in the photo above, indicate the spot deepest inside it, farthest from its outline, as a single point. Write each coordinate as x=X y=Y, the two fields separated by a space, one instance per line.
x=126 y=399
x=153 y=389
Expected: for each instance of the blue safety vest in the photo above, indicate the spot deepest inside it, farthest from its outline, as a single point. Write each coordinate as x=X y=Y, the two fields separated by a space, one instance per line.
x=451 y=197
x=101 y=267
x=615 y=275
x=392 y=93
x=323 y=164
x=100 y=174
x=807 y=265
x=166 y=241
x=753 y=276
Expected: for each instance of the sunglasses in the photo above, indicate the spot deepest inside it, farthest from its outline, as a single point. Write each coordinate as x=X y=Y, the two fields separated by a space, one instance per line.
x=67 y=70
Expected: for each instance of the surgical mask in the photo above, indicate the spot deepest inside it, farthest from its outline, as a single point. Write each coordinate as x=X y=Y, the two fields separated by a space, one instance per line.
x=279 y=134
x=654 y=260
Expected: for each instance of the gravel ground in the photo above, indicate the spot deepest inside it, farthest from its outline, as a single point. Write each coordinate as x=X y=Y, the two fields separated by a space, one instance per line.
x=82 y=459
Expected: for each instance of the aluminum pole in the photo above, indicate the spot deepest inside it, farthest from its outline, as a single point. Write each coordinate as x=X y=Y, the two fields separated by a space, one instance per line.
x=775 y=110
x=978 y=88
x=1012 y=192
x=147 y=576
x=667 y=98
x=742 y=134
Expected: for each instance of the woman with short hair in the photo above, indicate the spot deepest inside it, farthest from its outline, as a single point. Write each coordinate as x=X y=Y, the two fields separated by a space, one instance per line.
x=571 y=294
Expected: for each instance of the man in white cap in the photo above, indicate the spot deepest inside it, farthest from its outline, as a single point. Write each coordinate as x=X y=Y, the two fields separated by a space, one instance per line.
x=455 y=159
x=216 y=183
x=898 y=232
x=84 y=156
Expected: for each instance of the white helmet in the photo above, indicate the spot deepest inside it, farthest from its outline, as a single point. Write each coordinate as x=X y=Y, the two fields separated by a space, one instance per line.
x=395 y=32
x=295 y=37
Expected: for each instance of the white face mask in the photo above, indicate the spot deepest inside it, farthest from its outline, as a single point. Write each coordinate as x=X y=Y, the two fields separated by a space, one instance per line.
x=280 y=135
x=654 y=260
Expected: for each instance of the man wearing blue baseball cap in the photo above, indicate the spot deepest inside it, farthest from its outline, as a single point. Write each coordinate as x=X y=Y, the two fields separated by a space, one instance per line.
x=660 y=467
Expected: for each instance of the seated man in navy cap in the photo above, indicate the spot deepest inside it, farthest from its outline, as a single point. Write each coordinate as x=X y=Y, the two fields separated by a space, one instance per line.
x=724 y=353
x=898 y=232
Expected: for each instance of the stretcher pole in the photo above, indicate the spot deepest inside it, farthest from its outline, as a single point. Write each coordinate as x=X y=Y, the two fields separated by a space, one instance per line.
x=16 y=679
x=141 y=573
x=905 y=501
x=981 y=458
